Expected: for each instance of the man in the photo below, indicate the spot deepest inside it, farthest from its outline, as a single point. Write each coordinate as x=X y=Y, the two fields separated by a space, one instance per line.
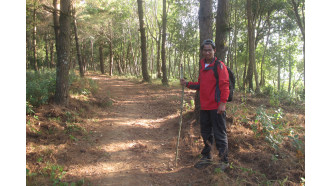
x=213 y=100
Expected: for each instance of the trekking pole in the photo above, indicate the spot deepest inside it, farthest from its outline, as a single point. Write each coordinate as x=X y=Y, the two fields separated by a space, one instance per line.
x=180 y=124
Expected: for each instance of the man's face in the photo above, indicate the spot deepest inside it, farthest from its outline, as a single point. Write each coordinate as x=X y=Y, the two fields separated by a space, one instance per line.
x=208 y=52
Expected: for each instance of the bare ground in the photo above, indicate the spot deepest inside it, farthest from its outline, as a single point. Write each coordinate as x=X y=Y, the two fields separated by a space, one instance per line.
x=136 y=137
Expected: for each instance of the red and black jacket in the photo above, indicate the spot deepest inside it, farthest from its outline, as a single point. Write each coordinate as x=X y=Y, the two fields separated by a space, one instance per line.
x=211 y=94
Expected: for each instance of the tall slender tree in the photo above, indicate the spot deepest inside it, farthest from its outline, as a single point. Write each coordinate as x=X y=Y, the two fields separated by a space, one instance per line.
x=34 y=35
x=81 y=68
x=251 y=41
x=47 y=62
x=164 y=70
x=63 y=54
x=111 y=57
x=159 y=74
x=205 y=17
x=222 y=29
x=300 y=20
x=56 y=23
x=101 y=57
x=145 y=74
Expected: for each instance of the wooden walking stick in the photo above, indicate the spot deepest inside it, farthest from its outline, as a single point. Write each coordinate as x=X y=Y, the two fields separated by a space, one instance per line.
x=180 y=124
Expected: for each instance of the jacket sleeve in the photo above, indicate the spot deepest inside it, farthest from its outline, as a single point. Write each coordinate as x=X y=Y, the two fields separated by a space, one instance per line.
x=223 y=83
x=193 y=85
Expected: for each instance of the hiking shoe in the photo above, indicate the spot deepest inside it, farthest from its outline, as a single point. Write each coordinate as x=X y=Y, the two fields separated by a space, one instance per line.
x=222 y=166
x=203 y=162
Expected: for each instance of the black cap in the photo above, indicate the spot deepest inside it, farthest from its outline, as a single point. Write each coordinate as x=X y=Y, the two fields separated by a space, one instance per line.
x=208 y=42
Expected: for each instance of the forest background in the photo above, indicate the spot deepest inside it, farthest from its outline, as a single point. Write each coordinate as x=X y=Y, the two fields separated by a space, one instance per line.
x=15 y=89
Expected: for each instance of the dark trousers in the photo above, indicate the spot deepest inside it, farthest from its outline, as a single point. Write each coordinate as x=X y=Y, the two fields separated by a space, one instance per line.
x=213 y=125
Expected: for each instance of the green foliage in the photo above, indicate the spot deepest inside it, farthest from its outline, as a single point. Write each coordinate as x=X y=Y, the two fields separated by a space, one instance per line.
x=302 y=181
x=298 y=145
x=30 y=174
x=260 y=177
x=71 y=128
x=270 y=127
x=189 y=106
x=282 y=97
x=55 y=173
x=73 y=138
x=83 y=86
x=40 y=86
x=29 y=109
x=217 y=170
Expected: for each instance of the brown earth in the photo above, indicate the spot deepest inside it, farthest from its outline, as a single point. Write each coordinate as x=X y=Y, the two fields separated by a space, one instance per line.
x=126 y=135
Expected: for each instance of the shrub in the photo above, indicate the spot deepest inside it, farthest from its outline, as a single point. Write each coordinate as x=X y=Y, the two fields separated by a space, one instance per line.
x=41 y=85
x=268 y=90
x=83 y=85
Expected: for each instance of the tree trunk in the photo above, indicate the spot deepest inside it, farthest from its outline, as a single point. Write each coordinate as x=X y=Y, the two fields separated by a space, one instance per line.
x=122 y=58
x=72 y=61
x=111 y=58
x=189 y=68
x=301 y=24
x=81 y=69
x=251 y=35
x=169 y=63
x=235 y=43
x=159 y=74
x=83 y=56
x=278 y=77
x=244 y=74
x=101 y=58
x=145 y=74
x=34 y=37
x=205 y=29
x=63 y=54
x=290 y=74
x=51 y=49
x=262 y=76
x=279 y=65
x=128 y=58
x=92 y=55
x=164 y=70
x=56 y=24
x=47 y=62
x=222 y=29
x=205 y=20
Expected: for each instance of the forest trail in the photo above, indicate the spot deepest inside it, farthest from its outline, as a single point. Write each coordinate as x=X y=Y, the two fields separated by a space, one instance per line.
x=126 y=133
x=135 y=137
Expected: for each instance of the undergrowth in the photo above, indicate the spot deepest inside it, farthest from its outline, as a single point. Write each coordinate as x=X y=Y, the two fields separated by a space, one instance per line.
x=274 y=129
x=283 y=96
x=41 y=85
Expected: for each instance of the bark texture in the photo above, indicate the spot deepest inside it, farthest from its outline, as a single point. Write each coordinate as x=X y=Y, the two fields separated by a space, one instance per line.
x=145 y=74
x=164 y=79
x=63 y=54
x=222 y=29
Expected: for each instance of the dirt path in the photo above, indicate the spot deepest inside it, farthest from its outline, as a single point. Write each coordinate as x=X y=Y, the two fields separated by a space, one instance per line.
x=136 y=137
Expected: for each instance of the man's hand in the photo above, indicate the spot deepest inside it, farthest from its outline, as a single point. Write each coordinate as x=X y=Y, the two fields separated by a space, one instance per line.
x=183 y=82
x=221 y=108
